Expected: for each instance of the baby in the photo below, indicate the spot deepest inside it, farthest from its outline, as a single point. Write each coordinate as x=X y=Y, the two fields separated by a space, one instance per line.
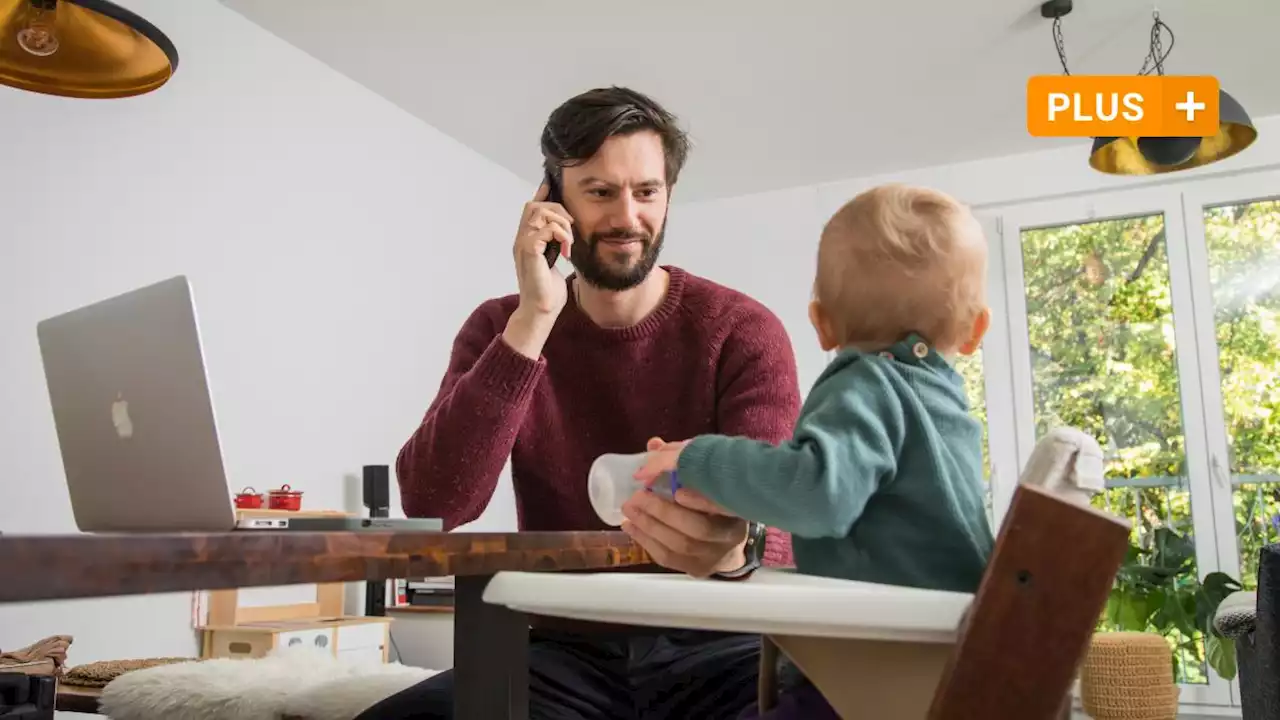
x=882 y=480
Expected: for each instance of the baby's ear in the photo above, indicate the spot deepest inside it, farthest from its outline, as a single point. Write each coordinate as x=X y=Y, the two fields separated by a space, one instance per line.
x=980 y=326
x=821 y=325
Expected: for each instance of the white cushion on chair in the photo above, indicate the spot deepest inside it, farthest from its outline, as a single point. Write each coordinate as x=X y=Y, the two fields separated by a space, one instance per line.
x=1068 y=463
x=771 y=601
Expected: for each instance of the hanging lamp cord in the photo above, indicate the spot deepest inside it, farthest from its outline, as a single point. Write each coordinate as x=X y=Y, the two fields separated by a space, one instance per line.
x=1059 y=44
x=1157 y=53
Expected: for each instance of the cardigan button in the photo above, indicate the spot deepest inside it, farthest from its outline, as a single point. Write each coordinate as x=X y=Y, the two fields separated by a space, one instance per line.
x=921 y=350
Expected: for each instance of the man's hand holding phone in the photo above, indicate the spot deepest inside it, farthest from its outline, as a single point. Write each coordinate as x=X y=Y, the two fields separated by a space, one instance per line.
x=542 y=289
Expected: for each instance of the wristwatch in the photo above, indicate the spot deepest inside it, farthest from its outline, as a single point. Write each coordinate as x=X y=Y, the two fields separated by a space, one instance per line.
x=754 y=552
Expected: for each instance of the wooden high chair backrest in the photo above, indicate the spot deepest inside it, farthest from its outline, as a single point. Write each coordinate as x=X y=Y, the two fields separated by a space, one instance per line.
x=1029 y=626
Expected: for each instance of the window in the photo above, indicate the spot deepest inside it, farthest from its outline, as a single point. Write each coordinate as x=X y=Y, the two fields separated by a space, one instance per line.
x=1102 y=346
x=1150 y=319
x=1242 y=270
x=970 y=368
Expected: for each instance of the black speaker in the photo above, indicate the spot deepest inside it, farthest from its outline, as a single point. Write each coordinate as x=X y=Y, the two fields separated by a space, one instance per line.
x=27 y=697
x=377 y=490
x=377 y=497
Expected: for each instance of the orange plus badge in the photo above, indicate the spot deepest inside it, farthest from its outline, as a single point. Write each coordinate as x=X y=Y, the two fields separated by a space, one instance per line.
x=1122 y=106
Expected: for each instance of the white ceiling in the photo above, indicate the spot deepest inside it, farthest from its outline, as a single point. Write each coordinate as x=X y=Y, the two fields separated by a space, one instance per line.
x=774 y=94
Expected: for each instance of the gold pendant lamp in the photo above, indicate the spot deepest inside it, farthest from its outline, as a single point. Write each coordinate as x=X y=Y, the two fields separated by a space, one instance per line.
x=1157 y=155
x=81 y=49
x=1153 y=156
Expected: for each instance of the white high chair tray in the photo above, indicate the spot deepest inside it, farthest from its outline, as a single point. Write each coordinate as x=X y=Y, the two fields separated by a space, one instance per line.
x=771 y=601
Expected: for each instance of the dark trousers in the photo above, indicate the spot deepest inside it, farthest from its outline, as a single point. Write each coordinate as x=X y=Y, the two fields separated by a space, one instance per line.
x=679 y=674
x=804 y=701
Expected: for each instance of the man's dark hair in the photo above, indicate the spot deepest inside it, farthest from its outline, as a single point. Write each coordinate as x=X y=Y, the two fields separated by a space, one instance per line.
x=575 y=131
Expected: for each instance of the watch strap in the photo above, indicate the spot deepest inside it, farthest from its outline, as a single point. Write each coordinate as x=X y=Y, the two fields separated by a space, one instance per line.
x=754 y=552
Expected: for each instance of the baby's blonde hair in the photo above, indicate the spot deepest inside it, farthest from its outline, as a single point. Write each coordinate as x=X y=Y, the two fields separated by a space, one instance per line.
x=899 y=259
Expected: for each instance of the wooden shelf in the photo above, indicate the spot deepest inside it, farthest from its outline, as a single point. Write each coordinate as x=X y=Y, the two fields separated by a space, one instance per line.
x=421 y=609
x=78 y=699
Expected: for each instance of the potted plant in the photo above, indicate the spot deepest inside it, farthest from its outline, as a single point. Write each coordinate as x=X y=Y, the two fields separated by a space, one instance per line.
x=1157 y=590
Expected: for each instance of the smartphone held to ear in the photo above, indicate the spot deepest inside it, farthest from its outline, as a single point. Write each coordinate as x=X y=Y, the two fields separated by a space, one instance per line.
x=552 y=250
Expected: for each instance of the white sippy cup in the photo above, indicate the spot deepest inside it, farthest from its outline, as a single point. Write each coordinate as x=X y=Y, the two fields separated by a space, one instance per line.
x=611 y=481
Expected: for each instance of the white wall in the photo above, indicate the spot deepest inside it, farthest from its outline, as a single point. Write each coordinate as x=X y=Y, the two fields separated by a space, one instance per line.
x=335 y=244
x=766 y=244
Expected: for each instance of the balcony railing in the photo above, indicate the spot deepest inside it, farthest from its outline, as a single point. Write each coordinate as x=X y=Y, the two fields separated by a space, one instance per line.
x=1256 y=501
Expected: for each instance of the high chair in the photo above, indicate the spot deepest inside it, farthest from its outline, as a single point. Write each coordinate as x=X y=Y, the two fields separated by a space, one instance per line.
x=1010 y=651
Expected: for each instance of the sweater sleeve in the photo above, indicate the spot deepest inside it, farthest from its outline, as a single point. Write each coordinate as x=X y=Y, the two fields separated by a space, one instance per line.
x=817 y=483
x=449 y=467
x=758 y=396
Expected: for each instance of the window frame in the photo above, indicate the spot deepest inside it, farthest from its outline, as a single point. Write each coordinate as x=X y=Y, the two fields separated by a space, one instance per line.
x=1013 y=411
x=1197 y=198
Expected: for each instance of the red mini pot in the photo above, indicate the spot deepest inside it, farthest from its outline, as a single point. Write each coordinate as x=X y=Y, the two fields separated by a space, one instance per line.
x=285 y=499
x=248 y=499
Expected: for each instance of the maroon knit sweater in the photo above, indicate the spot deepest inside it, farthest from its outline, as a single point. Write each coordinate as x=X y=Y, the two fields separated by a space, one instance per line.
x=708 y=360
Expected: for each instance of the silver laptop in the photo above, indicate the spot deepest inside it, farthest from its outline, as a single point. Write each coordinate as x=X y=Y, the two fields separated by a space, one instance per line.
x=136 y=423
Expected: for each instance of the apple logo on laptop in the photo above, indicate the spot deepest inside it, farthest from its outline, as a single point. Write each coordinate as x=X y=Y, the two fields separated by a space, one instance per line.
x=120 y=417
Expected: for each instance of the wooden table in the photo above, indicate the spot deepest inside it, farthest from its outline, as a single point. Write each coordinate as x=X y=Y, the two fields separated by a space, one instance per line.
x=490 y=658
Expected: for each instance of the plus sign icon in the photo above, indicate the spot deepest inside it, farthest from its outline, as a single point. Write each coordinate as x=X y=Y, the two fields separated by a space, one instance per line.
x=1122 y=106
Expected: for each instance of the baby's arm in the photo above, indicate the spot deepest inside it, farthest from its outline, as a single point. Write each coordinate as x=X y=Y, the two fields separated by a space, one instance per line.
x=817 y=483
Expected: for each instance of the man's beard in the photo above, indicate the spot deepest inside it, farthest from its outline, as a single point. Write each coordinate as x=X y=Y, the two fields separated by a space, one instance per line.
x=590 y=258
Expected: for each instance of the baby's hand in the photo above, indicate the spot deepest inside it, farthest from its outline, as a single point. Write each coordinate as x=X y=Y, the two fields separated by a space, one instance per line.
x=663 y=458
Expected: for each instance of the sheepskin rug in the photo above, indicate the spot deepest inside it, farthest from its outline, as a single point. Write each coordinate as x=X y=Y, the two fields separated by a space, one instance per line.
x=300 y=682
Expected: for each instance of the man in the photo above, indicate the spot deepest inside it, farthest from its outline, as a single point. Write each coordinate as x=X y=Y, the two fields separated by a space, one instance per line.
x=619 y=353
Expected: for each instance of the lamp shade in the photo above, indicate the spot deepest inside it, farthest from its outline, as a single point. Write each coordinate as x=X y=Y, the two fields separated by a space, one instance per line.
x=81 y=48
x=1152 y=156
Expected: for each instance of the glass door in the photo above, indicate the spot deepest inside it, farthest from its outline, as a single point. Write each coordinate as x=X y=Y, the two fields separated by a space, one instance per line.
x=1233 y=242
x=1101 y=331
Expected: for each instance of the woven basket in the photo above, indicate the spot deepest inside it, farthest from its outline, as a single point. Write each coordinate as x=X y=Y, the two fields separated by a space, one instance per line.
x=1129 y=676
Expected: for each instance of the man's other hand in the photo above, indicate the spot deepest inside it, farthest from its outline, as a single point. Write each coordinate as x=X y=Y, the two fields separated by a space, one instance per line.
x=690 y=534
